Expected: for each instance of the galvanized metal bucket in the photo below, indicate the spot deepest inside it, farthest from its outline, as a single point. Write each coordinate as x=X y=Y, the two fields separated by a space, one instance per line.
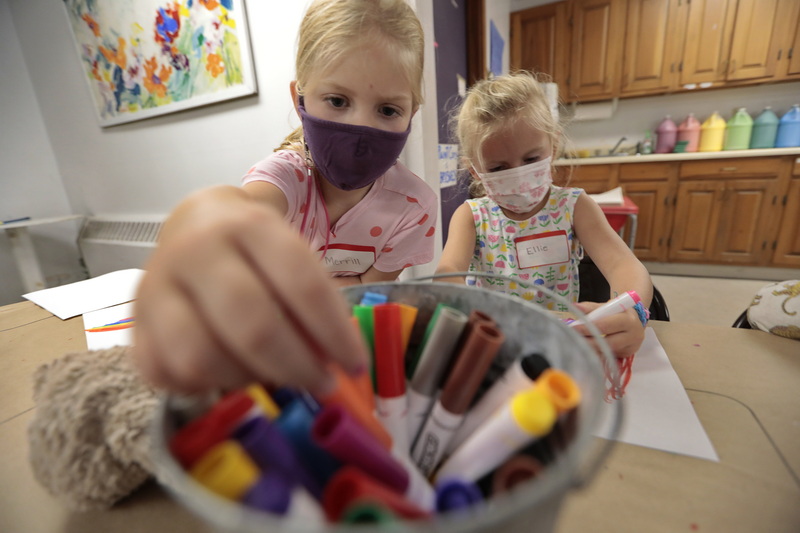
x=532 y=507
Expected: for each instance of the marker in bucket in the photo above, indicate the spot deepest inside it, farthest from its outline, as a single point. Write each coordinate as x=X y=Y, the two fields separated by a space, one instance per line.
x=454 y=494
x=433 y=361
x=519 y=376
x=529 y=415
x=350 y=486
x=391 y=402
x=518 y=469
x=338 y=433
x=449 y=410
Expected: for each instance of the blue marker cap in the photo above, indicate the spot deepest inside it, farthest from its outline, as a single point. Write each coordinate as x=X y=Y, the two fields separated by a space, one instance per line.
x=373 y=298
x=453 y=494
x=295 y=423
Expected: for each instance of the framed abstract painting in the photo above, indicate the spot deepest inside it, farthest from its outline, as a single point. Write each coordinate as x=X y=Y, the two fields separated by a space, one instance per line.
x=143 y=58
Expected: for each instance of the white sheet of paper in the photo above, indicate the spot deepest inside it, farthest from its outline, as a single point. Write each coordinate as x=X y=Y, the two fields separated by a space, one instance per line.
x=92 y=294
x=658 y=413
x=99 y=340
x=612 y=197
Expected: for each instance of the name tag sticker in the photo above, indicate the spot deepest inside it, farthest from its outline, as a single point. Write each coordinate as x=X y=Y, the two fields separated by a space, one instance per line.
x=348 y=258
x=549 y=248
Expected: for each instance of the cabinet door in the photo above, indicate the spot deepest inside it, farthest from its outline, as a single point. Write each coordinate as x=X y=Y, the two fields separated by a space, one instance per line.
x=696 y=221
x=651 y=186
x=598 y=28
x=744 y=219
x=789 y=62
x=652 y=46
x=708 y=37
x=757 y=40
x=540 y=42
x=594 y=179
x=652 y=232
x=787 y=247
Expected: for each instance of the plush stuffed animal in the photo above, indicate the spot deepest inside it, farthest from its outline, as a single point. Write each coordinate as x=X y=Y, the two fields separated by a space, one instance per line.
x=90 y=437
x=776 y=308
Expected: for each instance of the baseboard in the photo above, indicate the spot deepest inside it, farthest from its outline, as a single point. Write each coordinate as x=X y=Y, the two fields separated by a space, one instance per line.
x=722 y=271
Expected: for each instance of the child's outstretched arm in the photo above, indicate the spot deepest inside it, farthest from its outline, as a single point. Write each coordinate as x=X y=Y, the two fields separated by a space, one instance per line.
x=460 y=244
x=623 y=271
x=231 y=295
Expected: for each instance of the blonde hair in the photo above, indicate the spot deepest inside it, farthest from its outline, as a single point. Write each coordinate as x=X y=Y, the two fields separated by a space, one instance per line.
x=332 y=28
x=494 y=104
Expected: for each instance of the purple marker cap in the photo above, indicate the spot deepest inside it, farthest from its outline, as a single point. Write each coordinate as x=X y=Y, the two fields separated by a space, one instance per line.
x=272 y=493
x=338 y=433
x=453 y=494
x=270 y=449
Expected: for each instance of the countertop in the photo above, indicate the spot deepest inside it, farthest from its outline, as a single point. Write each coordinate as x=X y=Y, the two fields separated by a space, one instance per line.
x=687 y=156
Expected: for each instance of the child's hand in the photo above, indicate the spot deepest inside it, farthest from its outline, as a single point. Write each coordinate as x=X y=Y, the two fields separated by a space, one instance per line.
x=623 y=331
x=232 y=295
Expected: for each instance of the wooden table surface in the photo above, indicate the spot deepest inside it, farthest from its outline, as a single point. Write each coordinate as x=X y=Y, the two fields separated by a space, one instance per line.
x=744 y=385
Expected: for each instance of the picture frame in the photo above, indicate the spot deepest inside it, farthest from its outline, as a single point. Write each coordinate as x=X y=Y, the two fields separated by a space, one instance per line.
x=145 y=58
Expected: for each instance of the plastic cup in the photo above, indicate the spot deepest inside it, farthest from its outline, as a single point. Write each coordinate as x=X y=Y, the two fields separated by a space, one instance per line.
x=531 y=506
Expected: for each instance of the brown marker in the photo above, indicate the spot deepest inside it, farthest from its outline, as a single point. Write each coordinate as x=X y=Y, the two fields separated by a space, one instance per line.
x=471 y=363
x=516 y=470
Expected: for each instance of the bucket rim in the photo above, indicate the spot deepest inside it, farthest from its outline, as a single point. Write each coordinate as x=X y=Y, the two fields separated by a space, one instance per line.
x=227 y=515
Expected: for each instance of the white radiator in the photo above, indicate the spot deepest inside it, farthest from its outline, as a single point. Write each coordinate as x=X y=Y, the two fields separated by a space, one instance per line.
x=108 y=244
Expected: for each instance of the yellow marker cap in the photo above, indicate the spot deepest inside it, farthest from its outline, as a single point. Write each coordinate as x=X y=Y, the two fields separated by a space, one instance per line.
x=533 y=411
x=562 y=389
x=226 y=469
x=262 y=398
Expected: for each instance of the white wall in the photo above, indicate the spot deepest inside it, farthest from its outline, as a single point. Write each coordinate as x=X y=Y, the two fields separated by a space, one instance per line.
x=144 y=167
x=30 y=182
x=148 y=166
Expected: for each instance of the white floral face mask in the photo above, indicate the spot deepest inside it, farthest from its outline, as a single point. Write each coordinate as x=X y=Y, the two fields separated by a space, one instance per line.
x=519 y=189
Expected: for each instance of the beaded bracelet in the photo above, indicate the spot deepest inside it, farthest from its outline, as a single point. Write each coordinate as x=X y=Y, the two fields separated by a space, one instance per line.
x=644 y=313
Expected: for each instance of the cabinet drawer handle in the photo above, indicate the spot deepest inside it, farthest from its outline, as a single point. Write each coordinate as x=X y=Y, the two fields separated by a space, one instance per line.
x=729 y=169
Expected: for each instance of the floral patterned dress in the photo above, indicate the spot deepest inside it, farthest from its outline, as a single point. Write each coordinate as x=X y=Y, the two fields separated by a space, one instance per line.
x=539 y=252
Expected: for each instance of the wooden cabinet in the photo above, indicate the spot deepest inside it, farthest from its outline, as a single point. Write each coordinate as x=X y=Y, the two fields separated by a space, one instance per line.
x=787 y=244
x=540 y=42
x=598 y=28
x=651 y=186
x=594 y=179
x=757 y=40
x=789 y=55
x=601 y=49
x=653 y=37
x=725 y=211
x=709 y=26
x=743 y=211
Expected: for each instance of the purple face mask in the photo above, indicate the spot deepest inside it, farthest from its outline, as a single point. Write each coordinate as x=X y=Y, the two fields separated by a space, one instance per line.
x=350 y=157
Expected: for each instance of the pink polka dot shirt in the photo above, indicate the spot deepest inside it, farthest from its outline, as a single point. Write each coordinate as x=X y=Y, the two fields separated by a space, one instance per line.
x=391 y=228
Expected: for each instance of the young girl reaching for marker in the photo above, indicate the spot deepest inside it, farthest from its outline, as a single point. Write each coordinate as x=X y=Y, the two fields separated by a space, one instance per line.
x=521 y=226
x=240 y=287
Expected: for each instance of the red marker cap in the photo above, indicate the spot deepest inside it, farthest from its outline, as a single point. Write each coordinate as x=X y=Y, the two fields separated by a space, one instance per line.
x=194 y=439
x=350 y=486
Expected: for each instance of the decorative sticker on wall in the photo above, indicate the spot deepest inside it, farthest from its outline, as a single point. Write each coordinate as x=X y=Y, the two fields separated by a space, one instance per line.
x=151 y=57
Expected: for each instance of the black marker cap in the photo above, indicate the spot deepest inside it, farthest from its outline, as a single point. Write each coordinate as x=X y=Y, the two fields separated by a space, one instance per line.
x=534 y=364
